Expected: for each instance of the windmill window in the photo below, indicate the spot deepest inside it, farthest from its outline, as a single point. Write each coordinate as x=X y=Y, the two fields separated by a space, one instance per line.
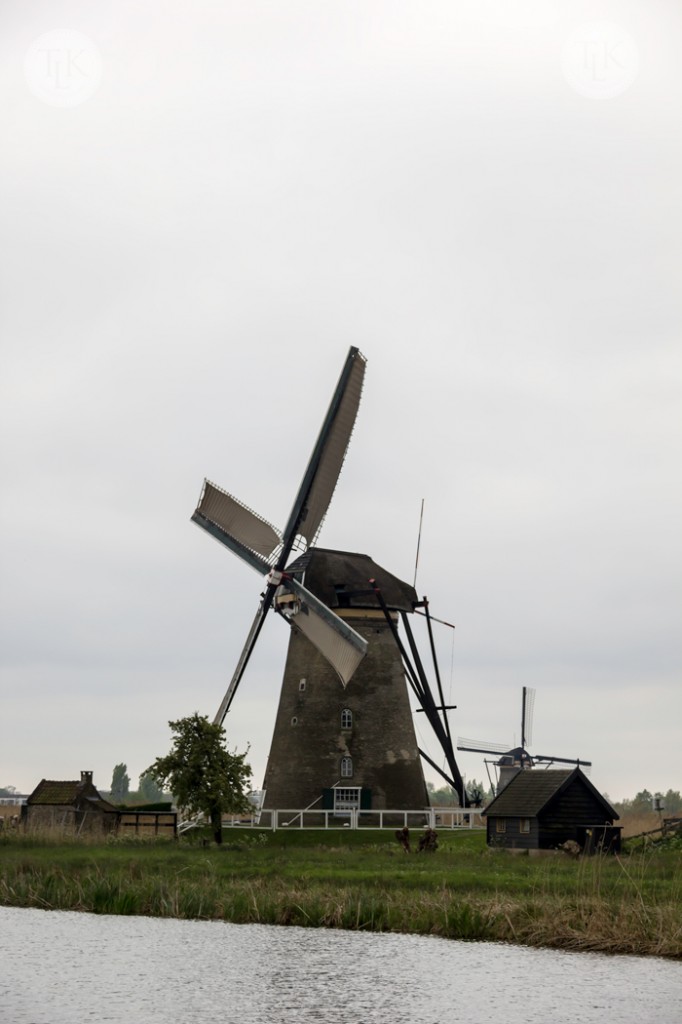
x=346 y=799
x=524 y=825
x=346 y=719
x=294 y=720
x=301 y=685
x=346 y=767
x=501 y=825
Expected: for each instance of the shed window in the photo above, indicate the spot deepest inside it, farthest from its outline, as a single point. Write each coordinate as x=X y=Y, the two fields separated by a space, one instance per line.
x=346 y=767
x=524 y=825
x=501 y=825
x=346 y=719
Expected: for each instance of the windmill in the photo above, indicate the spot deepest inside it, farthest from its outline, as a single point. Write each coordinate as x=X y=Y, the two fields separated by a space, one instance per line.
x=335 y=747
x=513 y=759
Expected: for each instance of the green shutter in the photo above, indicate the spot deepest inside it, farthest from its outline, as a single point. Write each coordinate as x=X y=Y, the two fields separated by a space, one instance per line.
x=365 y=799
x=327 y=799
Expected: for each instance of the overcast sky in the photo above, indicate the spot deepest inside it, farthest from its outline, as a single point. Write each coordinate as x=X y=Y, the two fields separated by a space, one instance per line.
x=203 y=206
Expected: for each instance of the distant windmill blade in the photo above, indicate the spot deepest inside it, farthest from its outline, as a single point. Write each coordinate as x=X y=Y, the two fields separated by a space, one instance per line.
x=247 y=650
x=528 y=705
x=343 y=648
x=324 y=467
x=561 y=760
x=236 y=526
x=482 y=747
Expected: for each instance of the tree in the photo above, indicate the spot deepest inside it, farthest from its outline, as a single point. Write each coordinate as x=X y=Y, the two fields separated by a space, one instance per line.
x=444 y=796
x=643 y=801
x=149 y=790
x=120 y=783
x=672 y=801
x=202 y=774
x=478 y=793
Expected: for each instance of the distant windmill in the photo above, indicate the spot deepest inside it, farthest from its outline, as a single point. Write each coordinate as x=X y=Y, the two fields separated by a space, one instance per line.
x=334 y=747
x=513 y=759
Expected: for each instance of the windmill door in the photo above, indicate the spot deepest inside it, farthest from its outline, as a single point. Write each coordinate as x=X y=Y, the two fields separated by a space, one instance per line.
x=343 y=799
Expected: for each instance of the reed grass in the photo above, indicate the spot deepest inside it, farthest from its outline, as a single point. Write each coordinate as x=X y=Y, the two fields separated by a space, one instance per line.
x=630 y=904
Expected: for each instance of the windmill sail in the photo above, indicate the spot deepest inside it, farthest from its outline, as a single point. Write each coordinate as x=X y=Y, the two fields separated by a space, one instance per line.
x=262 y=547
x=550 y=758
x=527 y=705
x=343 y=648
x=482 y=746
x=324 y=467
x=247 y=650
x=236 y=522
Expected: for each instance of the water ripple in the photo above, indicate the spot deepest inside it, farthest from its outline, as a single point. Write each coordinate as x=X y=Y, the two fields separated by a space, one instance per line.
x=65 y=968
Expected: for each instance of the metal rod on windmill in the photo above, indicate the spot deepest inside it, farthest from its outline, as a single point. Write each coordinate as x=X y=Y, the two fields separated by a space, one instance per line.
x=417 y=678
x=419 y=539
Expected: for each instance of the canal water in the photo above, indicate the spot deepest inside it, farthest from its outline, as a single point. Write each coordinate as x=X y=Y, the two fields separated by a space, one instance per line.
x=66 y=968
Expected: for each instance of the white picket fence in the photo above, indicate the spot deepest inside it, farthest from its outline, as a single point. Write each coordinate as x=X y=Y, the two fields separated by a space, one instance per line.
x=449 y=818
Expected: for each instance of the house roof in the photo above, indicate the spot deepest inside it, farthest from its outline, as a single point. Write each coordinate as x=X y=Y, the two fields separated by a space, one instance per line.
x=51 y=792
x=328 y=574
x=530 y=791
x=69 y=793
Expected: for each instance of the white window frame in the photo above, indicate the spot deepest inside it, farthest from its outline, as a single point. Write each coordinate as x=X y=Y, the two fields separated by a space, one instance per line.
x=346 y=718
x=347 y=767
x=347 y=798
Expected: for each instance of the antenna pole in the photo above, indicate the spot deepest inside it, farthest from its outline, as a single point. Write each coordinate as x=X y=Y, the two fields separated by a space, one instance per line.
x=419 y=539
x=523 y=719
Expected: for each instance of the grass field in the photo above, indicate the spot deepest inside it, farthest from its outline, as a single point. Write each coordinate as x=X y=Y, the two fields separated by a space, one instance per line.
x=362 y=880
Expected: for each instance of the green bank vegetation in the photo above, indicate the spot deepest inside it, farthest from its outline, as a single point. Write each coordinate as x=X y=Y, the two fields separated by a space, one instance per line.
x=363 y=880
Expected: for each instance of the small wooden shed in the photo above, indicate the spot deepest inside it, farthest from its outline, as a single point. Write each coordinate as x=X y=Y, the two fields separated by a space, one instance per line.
x=70 y=805
x=540 y=809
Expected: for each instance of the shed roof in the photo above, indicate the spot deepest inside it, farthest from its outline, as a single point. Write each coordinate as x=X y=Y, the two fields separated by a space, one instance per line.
x=49 y=791
x=102 y=805
x=329 y=574
x=68 y=792
x=530 y=791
